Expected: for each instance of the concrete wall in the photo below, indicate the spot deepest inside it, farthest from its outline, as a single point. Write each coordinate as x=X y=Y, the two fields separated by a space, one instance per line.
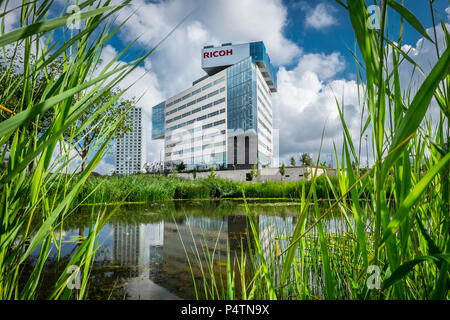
x=265 y=174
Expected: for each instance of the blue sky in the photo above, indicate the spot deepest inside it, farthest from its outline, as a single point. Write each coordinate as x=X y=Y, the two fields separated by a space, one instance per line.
x=306 y=40
x=340 y=34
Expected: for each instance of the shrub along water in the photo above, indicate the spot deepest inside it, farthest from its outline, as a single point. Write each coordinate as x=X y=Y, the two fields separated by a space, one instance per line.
x=146 y=188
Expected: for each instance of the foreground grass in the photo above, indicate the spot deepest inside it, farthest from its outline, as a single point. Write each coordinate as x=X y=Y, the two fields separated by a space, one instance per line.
x=33 y=150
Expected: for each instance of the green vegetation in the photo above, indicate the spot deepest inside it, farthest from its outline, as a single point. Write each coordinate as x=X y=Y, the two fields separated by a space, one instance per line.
x=146 y=188
x=254 y=172
x=292 y=161
x=305 y=159
x=89 y=134
x=282 y=170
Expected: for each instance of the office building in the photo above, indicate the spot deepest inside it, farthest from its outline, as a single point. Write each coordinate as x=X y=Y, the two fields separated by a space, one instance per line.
x=225 y=119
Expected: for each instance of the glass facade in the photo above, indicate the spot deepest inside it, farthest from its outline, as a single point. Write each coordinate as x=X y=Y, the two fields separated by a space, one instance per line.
x=241 y=96
x=217 y=160
x=260 y=56
x=158 y=119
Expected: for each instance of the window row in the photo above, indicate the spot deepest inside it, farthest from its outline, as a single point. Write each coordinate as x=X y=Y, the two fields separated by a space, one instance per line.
x=206 y=106
x=265 y=127
x=213 y=158
x=265 y=109
x=265 y=136
x=215 y=113
x=199 y=148
x=199 y=138
x=265 y=146
x=263 y=95
x=209 y=85
x=184 y=106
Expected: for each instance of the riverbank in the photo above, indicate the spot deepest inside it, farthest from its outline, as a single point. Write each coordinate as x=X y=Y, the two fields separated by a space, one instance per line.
x=145 y=188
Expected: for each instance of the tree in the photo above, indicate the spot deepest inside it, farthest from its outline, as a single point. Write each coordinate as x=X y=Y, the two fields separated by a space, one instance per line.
x=282 y=171
x=254 y=172
x=293 y=161
x=306 y=159
x=194 y=172
x=181 y=166
x=306 y=173
x=212 y=173
x=87 y=135
x=13 y=77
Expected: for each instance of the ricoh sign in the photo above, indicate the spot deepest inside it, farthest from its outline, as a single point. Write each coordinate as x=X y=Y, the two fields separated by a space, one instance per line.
x=224 y=56
x=217 y=53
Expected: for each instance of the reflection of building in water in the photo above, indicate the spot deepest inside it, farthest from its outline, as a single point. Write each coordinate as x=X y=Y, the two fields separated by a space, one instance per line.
x=126 y=247
x=272 y=228
x=162 y=248
x=195 y=234
x=240 y=232
x=139 y=248
x=155 y=244
x=136 y=245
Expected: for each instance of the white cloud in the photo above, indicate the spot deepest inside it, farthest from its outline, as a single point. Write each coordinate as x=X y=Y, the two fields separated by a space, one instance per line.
x=325 y=66
x=143 y=84
x=306 y=104
x=105 y=168
x=425 y=55
x=321 y=17
x=448 y=13
x=11 y=20
x=211 y=22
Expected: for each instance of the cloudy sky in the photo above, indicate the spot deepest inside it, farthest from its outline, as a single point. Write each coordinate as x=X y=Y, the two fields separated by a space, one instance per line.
x=308 y=41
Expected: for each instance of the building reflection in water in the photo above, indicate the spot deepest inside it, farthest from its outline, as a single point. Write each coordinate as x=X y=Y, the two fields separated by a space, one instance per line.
x=155 y=254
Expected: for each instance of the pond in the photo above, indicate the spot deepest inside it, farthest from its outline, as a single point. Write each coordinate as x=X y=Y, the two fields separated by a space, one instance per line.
x=145 y=250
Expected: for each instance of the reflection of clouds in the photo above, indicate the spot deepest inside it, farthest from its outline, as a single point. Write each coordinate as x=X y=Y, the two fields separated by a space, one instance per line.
x=59 y=234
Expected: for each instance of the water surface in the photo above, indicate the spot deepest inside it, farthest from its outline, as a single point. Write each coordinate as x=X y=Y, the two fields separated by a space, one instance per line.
x=144 y=249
